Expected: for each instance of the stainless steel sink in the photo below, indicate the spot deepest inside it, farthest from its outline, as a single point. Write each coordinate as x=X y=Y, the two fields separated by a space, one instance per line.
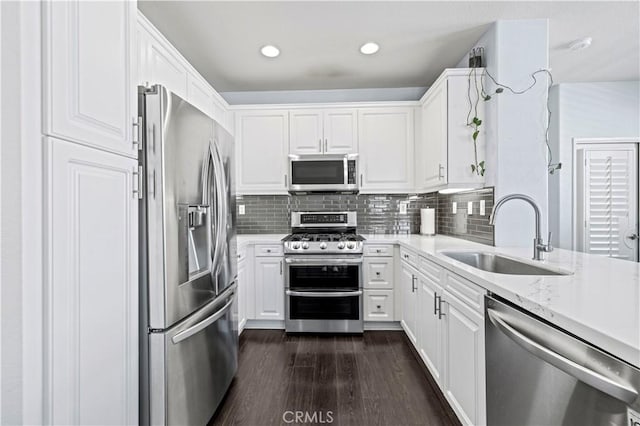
x=499 y=264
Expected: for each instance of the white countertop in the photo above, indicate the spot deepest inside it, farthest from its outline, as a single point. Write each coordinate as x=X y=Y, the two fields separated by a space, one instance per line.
x=599 y=302
x=244 y=239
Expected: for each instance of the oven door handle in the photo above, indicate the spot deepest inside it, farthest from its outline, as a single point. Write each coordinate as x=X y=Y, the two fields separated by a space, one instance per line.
x=323 y=261
x=324 y=293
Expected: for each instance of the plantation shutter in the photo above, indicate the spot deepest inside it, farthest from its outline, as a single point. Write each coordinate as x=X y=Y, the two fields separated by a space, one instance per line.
x=610 y=201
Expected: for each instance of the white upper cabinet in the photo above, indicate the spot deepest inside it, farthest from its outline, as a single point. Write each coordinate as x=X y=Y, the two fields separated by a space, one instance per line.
x=340 y=131
x=158 y=62
x=445 y=148
x=323 y=131
x=431 y=164
x=199 y=94
x=305 y=132
x=386 y=140
x=89 y=86
x=92 y=286
x=262 y=138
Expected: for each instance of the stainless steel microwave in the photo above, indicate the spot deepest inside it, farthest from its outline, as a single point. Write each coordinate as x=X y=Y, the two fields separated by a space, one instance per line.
x=323 y=173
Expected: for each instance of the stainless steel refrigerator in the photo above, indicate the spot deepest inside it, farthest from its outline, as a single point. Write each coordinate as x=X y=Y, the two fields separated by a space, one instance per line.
x=189 y=336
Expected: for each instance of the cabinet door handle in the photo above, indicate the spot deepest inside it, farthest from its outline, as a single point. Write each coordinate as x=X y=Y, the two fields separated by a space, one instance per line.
x=320 y=144
x=281 y=267
x=413 y=284
x=440 y=301
x=285 y=180
x=326 y=145
x=435 y=303
x=440 y=171
x=360 y=179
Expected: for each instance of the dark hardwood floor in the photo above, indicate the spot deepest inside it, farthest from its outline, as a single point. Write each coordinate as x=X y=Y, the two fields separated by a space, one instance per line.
x=373 y=379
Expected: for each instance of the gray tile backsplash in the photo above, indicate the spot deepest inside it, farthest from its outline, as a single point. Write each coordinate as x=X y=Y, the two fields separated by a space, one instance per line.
x=377 y=213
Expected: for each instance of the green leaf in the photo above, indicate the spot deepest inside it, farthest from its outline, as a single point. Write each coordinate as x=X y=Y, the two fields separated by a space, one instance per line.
x=473 y=168
x=475 y=134
x=486 y=98
x=499 y=90
x=481 y=164
x=476 y=121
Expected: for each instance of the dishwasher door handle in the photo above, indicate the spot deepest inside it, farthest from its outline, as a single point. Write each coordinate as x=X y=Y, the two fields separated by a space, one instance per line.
x=594 y=379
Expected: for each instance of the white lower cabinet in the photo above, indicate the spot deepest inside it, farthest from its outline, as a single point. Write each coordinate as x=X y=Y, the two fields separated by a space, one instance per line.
x=464 y=360
x=430 y=327
x=91 y=290
x=269 y=288
x=409 y=294
x=378 y=305
x=243 y=283
x=444 y=319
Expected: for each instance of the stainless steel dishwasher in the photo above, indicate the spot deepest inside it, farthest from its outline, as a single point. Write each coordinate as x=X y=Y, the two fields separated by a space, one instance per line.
x=539 y=375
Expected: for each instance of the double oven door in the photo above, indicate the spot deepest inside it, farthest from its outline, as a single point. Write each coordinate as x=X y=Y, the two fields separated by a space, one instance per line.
x=323 y=294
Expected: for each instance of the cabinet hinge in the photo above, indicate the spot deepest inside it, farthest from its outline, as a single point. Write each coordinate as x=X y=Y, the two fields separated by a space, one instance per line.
x=136 y=135
x=137 y=182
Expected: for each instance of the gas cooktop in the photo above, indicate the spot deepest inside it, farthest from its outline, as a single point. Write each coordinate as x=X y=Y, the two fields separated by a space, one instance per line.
x=323 y=232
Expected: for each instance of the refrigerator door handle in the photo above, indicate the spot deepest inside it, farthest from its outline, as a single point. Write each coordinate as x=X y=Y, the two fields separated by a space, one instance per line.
x=214 y=207
x=221 y=203
x=196 y=328
x=620 y=391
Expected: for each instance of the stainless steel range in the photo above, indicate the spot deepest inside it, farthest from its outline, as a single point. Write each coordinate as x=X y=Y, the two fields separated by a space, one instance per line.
x=323 y=278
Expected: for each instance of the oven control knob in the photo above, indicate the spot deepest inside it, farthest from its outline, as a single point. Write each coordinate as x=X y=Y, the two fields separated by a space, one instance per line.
x=351 y=245
x=295 y=246
x=341 y=245
x=323 y=245
x=305 y=245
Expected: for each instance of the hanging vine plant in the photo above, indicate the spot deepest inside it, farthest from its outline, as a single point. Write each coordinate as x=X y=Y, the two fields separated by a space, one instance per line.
x=477 y=84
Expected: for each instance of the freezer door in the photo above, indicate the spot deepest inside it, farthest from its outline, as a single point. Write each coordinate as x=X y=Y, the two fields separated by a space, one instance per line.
x=187 y=209
x=193 y=363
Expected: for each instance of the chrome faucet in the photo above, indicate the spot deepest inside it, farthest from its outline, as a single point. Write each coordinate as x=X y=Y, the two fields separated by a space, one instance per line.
x=539 y=247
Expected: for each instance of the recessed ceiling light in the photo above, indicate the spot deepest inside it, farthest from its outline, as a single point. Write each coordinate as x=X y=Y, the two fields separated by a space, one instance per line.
x=581 y=44
x=369 y=48
x=270 y=51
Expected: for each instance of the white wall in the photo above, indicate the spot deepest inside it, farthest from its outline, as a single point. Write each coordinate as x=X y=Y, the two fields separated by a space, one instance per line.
x=585 y=110
x=516 y=158
x=10 y=244
x=21 y=244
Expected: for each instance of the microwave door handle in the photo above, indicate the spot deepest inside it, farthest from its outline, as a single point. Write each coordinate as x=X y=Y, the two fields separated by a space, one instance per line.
x=592 y=378
x=345 y=169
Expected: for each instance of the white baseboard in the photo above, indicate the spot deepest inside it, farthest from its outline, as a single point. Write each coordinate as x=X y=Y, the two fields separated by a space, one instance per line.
x=382 y=325
x=265 y=324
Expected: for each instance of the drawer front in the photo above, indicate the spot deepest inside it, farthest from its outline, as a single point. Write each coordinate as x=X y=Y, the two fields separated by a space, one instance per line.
x=378 y=305
x=378 y=250
x=269 y=250
x=465 y=290
x=409 y=257
x=378 y=273
x=430 y=269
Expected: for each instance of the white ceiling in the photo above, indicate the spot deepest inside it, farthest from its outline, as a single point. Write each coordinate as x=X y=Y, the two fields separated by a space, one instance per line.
x=319 y=41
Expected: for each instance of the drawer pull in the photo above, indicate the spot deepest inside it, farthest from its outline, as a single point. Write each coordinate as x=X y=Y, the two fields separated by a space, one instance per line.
x=378 y=251
x=378 y=306
x=378 y=273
